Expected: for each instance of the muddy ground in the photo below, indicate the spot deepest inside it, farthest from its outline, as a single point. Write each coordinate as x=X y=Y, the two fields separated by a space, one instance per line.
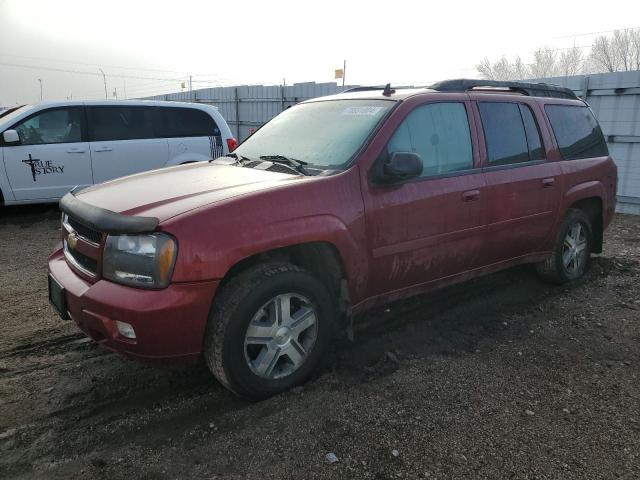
x=503 y=377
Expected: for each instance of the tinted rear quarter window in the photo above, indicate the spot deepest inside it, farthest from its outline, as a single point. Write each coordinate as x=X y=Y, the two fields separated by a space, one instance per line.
x=188 y=122
x=577 y=131
x=120 y=123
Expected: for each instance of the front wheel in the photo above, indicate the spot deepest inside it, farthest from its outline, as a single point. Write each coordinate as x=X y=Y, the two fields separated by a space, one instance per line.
x=269 y=329
x=571 y=254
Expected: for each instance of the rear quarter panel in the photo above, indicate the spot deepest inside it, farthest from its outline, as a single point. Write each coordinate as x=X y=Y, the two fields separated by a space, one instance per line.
x=583 y=178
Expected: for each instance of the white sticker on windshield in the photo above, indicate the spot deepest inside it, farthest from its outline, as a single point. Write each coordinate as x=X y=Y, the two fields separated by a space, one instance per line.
x=369 y=111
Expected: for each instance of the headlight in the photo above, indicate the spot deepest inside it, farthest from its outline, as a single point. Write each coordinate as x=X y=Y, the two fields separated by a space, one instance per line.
x=140 y=260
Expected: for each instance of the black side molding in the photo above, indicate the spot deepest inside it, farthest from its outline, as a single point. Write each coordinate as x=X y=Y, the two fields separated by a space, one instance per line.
x=104 y=220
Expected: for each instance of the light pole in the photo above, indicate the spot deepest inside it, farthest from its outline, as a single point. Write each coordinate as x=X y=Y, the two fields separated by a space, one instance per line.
x=40 y=80
x=104 y=79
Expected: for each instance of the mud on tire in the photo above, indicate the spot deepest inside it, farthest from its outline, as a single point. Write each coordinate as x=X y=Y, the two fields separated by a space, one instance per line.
x=555 y=268
x=252 y=300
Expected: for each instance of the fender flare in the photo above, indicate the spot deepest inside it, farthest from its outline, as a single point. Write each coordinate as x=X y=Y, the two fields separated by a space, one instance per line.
x=581 y=191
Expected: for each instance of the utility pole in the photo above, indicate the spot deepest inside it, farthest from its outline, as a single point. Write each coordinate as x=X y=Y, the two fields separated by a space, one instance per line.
x=104 y=79
x=40 y=80
x=115 y=93
x=190 y=88
x=344 y=71
x=124 y=81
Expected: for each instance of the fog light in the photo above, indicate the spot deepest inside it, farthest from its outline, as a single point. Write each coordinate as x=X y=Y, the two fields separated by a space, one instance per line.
x=125 y=329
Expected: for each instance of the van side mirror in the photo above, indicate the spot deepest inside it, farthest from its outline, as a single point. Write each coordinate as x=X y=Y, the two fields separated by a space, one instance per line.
x=10 y=137
x=402 y=166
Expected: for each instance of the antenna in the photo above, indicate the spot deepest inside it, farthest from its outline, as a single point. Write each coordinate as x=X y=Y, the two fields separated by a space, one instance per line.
x=388 y=90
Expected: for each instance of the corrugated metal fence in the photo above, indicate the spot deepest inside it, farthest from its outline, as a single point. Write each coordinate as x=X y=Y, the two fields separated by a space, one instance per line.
x=615 y=100
x=614 y=97
x=251 y=106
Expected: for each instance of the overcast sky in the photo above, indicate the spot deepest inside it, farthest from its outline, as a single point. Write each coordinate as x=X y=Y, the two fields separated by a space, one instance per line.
x=150 y=47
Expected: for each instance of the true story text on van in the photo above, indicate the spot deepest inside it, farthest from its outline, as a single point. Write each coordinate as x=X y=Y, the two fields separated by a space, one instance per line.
x=42 y=167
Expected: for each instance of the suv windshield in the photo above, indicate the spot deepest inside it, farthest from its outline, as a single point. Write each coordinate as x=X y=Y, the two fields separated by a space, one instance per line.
x=325 y=134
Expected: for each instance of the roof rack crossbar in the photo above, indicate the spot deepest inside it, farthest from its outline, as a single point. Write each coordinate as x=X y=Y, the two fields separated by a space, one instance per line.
x=531 y=89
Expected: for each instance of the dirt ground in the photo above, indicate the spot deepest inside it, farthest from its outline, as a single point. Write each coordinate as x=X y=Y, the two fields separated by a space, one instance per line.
x=503 y=377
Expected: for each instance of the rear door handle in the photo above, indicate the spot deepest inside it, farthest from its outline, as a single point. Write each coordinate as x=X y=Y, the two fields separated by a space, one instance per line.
x=75 y=150
x=471 y=195
x=102 y=149
x=548 y=182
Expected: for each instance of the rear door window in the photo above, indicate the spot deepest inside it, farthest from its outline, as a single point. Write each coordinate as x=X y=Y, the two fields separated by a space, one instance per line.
x=188 y=122
x=533 y=133
x=504 y=133
x=577 y=131
x=120 y=123
x=440 y=134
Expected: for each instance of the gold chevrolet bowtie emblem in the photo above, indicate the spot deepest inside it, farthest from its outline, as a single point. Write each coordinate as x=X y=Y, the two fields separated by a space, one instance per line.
x=72 y=240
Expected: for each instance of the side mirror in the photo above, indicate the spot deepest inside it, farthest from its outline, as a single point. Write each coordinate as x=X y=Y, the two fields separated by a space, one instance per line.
x=10 y=137
x=402 y=166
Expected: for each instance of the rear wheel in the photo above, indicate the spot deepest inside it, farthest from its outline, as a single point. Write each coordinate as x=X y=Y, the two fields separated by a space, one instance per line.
x=269 y=329
x=572 y=250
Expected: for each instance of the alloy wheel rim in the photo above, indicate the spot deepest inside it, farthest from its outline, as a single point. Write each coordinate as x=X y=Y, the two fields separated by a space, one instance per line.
x=574 y=248
x=280 y=336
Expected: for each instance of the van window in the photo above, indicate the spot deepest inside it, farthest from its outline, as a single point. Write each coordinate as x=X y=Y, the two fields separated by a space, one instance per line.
x=120 y=123
x=577 y=131
x=440 y=134
x=533 y=133
x=504 y=133
x=188 y=122
x=60 y=125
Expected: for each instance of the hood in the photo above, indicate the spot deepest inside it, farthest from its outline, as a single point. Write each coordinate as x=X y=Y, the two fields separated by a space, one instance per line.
x=168 y=192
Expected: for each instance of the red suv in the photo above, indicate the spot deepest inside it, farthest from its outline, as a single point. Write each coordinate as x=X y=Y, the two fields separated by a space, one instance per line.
x=339 y=204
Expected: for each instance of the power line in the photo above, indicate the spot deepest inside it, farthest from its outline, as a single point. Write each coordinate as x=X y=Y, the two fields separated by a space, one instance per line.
x=595 y=33
x=122 y=67
x=81 y=72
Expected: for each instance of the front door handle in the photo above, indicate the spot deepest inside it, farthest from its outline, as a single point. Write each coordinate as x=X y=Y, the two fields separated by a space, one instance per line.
x=75 y=150
x=102 y=149
x=548 y=182
x=471 y=195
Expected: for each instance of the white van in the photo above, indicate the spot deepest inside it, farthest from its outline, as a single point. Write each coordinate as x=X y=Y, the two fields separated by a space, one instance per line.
x=50 y=148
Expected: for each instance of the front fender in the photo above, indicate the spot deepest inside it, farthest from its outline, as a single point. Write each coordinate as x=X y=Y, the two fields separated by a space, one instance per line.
x=211 y=257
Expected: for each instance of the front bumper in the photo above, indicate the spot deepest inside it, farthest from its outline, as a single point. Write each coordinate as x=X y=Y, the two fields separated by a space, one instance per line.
x=169 y=323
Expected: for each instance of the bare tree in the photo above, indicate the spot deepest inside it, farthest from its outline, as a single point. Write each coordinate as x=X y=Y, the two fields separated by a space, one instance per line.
x=520 y=69
x=571 y=62
x=613 y=53
x=544 y=63
x=635 y=47
x=621 y=52
x=502 y=69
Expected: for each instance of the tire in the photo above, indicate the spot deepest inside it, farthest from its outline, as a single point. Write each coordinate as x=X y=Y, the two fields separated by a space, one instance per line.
x=555 y=269
x=261 y=362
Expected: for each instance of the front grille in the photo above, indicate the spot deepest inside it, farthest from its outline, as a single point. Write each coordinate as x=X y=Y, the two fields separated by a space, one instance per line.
x=89 y=264
x=84 y=231
x=79 y=260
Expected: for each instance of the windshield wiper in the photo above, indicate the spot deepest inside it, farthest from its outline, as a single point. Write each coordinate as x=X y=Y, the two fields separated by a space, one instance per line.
x=238 y=158
x=298 y=165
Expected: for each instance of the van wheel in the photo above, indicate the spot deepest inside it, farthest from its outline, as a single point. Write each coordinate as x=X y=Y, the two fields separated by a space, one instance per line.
x=268 y=329
x=571 y=254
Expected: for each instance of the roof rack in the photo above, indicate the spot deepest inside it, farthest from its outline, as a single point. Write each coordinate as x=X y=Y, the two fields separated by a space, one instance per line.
x=531 y=89
x=369 y=88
